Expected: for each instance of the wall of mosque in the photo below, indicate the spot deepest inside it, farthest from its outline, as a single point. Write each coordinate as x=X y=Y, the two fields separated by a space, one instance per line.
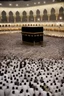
x=50 y=12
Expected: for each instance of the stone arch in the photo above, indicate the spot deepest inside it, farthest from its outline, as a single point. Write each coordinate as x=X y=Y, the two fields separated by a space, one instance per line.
x=17 y=13
x=31 y=13
x=37 y=12
x=4 y=17
x=45 y=16
x=52 y=15
x=52 y=11
x=24 y=13
x=31 y=16
x=61 y=14
x=38 y=17
x=10 y=13
x=45 y=11
x=11 y=17
x=18 y=18
x=61 y=10
x=24 y=16
x=3 y=13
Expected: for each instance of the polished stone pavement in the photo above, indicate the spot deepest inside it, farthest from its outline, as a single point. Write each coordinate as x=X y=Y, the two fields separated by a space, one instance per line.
x=11 y=44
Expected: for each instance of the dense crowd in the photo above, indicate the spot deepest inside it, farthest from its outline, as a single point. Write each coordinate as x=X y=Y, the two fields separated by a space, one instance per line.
x=28 y=77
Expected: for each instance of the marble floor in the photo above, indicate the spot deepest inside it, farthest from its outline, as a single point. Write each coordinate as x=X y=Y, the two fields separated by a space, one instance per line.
x=11 y=44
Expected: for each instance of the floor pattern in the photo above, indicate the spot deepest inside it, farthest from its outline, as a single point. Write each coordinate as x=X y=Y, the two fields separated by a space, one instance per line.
x=11 y=44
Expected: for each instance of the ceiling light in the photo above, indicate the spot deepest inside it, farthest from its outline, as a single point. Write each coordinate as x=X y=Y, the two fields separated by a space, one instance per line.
x=60 y=18
x=38 y=2
x=38 y=19
x=0 y=3
x=34 y=3
x=27 y=4
x=10 y=4
x=53 y=0
x=16 y=4
x=44 y=2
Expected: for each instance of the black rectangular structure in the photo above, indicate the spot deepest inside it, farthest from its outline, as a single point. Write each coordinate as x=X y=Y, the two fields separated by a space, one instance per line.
x=32 y=34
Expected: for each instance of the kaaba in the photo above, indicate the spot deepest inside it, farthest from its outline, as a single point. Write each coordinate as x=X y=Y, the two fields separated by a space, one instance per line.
x=32 y=34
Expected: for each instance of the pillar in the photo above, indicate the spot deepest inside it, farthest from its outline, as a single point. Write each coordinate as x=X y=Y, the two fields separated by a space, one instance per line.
x=14 y=19
x=8 y=19
x=41 y=17
x=34 y=18
x=48 y=17
x=56 y=16
x=27 y=18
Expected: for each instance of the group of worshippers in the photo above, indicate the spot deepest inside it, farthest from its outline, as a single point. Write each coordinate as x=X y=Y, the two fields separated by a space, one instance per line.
x=29 y=77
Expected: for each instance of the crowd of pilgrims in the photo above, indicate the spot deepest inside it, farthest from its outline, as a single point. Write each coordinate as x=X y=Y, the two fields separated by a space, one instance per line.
x=29 y=77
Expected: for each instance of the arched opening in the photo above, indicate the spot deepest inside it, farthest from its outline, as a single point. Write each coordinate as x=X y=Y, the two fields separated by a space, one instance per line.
x=24 y=16
x=31 y=17
x=11 y=17
x=45 y=16
x=4 y=17
x=52 y=16
x=61 y=14
x=38 y=17
x=18 y=18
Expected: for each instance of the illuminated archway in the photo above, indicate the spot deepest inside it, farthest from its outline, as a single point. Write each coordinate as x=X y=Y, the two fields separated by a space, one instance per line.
x=18 y=18
x=38 y=17
x=52 y=16
x=24 y=16
x=11 y=17
x=45 y=16
x=31 y=17
x=4 y=17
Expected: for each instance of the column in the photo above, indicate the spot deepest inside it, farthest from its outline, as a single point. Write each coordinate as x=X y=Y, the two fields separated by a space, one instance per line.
x=7 y=18
x=48 y=17
x=41 y=18
x=14 y=19
x=27 y=18
x=34 y=18
x=21 y=18
x=0 y=18
x=56 y=16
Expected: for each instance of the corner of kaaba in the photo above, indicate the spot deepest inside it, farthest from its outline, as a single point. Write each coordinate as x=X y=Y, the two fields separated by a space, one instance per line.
x=31 y=47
